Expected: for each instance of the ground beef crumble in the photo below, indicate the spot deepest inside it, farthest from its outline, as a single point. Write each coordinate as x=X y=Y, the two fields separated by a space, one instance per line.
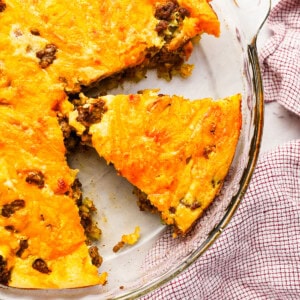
x=23 y=246
x=36 y=177
x=71 y=140
x=5 y=273
x=143 y=202
x=47 y=55
x=91 y=114
x=86 y=212
x=165 y=10
x=2 y=6
x=96 y=258
x=41 y=266
x=10 y=208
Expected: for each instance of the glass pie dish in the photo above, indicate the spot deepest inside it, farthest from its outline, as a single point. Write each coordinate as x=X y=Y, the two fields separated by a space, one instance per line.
x=222 y=66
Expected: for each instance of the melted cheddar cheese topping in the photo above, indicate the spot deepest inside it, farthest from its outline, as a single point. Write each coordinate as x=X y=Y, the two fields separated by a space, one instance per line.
x=49 y=48
x=176 y=151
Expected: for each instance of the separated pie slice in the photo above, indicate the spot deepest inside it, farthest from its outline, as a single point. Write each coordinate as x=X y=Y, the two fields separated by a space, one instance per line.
x=176 y=152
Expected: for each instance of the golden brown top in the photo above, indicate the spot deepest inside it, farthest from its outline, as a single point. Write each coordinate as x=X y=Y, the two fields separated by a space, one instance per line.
x=176 y=151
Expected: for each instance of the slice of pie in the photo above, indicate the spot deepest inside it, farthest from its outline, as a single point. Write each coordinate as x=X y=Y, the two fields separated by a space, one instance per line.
x=176 y=152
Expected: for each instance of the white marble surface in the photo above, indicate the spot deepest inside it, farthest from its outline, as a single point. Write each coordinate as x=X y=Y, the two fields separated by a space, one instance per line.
x=280 y=125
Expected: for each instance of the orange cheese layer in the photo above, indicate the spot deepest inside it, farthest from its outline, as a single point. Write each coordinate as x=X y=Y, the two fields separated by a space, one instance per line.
x=176 y=151
x=94 y=39
x=49 y=220
x=48 y=47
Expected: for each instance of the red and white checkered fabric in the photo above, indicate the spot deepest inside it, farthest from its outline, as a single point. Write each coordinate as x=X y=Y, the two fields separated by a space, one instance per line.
x=280 y=57
x=258 y=255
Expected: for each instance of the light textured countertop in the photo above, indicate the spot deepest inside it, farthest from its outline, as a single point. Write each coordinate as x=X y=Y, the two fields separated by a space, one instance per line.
x=280 y=125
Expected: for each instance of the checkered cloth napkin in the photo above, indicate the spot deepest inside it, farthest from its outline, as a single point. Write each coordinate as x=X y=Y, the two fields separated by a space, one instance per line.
x=280 y=58
x=258 y=255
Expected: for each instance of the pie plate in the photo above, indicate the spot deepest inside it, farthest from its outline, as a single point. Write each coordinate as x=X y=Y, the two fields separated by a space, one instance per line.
x=222 y=66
